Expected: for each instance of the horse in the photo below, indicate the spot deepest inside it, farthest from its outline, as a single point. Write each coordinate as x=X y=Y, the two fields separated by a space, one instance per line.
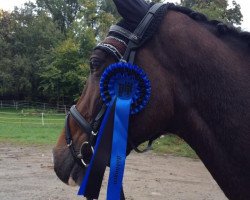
x=200 y=78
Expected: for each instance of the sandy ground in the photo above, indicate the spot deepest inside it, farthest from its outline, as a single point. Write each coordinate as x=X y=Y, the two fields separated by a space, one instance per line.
x=26 y=173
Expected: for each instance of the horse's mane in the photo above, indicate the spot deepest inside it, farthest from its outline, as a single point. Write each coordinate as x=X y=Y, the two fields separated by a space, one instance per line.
x=220 y=29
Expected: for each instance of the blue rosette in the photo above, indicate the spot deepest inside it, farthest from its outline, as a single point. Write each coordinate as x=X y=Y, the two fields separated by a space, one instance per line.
x=124 y=80
x=126 y=88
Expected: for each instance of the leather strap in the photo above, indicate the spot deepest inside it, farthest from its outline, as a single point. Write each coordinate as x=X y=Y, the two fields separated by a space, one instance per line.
x=84 y=125
x=149 y=147
x=129 y=54
x=101 y=160
x=98 y=119
x=144 y=24
x=118 y=29
x=141 y=28
x=69 y=142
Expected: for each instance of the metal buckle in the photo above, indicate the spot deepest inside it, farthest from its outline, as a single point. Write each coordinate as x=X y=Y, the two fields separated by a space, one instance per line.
x=69 y=144
x=94 y=133
x=122 y=60
x=134 y=37
x=80 y=156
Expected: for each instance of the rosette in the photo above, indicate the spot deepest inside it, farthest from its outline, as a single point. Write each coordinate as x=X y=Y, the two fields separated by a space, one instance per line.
x=125 y=81
x=129 y=85
x=125 y=89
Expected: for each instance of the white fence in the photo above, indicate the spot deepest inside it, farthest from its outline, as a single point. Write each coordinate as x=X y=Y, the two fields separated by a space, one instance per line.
x=31 y=113
x=31 y=119
x=33 y=105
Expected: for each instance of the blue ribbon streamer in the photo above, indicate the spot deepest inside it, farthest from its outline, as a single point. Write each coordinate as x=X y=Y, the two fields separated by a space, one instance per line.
x=100 y=134
x=125 y=84
x=119 y=146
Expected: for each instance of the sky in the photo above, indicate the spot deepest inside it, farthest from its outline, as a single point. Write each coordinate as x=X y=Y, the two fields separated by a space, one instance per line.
x=245 y=7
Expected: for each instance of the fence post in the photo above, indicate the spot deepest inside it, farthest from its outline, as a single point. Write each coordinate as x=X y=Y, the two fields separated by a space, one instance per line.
x=21 y=119
x=42 y=119
x=65 y=109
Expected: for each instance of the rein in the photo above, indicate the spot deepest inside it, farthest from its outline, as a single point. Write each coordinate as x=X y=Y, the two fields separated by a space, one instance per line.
x=92 y=129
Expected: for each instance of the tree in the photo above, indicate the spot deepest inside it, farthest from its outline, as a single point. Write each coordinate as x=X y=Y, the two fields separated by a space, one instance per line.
x=216 y=9
x=97 y=15
x=13 y=68
x=108 y=6
x=45 y=47
x=234 y=14
x=64 y=12
x=26 y=38
x=64 y=78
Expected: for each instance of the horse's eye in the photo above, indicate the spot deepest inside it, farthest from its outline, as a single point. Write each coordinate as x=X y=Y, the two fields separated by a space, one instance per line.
x=95 y=64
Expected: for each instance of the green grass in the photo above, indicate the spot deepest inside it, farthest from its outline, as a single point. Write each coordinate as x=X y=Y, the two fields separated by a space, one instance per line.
x=171 y=144
x=29 y=134
x=26 y=128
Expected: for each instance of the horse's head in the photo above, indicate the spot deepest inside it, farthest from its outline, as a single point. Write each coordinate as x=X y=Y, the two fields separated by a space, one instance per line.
x=199 y=90
x=146 y=125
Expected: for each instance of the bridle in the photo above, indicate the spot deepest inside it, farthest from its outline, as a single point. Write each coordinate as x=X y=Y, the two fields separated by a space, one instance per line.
x=91 y=129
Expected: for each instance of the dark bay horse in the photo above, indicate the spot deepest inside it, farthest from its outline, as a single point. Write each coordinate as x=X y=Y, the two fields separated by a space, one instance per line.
x=200 y=78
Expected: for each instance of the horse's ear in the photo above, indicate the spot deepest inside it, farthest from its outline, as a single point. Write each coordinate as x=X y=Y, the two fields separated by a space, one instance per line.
x=132 y=10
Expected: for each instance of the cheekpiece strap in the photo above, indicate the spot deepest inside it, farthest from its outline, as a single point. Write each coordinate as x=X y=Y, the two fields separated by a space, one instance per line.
x=84 y=125
x=139 y=32
x=144 y=24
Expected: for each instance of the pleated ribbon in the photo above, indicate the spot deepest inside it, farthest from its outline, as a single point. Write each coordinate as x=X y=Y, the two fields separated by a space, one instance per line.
x=125 y=88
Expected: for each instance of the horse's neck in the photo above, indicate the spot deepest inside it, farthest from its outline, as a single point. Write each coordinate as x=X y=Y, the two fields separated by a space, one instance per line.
x=214 y=96
x=232 y=177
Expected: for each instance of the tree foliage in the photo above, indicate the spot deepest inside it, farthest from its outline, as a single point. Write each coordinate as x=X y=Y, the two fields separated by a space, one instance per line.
x=63 y=12
x=62 y=79
x=26 y=39
x=45 y=47
x=217 y=9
